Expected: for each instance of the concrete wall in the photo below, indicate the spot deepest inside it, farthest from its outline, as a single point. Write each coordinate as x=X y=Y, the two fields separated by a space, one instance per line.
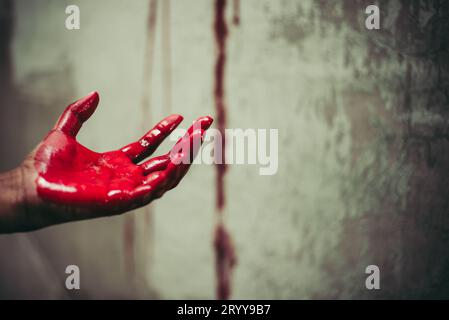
x=363 y=147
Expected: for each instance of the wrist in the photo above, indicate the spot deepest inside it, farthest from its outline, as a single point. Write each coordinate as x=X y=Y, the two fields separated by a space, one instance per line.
x=12 y=201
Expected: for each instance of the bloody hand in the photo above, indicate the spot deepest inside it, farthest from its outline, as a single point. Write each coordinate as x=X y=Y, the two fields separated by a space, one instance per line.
x=65 y=181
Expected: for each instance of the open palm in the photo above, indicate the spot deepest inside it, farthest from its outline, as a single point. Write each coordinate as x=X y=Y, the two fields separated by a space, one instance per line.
x=82 y=183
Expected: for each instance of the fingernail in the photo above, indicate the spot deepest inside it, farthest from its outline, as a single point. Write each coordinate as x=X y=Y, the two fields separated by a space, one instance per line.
x=174 y=120
x=205 y=121
x=86 y=105
x=175 y=117
x=91 y=98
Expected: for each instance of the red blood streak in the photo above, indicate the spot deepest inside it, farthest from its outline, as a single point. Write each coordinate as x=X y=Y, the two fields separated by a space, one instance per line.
x=128 y=243
x=221 y=32
x=166 y=55
x=236 y=9
x=225 y=257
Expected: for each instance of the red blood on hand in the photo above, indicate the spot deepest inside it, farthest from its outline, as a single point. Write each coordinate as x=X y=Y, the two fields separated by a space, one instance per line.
x=70 y=174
